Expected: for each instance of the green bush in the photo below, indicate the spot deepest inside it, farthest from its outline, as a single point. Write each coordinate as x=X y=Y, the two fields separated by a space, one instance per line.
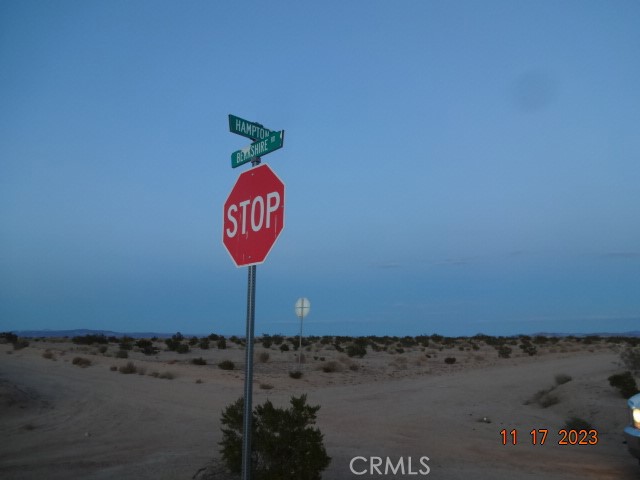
x=295 y=374
x=331 y=367
x=504 y=351
x=20 y=343
x=128 y=368
x=631 y=358
x=450 y=360
x=81 y=362
x=198 y=361
x=221 y=343
x=625 y=383
x=356 y=350
x=146 y=347
x=577 y=423
x=285 y=444
x=226 y=365
x=562 y=378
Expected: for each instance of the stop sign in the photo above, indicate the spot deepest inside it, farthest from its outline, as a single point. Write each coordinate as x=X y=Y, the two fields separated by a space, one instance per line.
x=253 y=215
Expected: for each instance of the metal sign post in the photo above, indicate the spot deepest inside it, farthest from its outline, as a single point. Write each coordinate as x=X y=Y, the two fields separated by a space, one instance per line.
x=247 y=417
x=302 y=308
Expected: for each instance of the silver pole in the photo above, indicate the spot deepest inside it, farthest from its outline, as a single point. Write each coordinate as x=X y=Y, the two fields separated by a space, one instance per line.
x=248 y=367
x=248 y=376
x=300 y=344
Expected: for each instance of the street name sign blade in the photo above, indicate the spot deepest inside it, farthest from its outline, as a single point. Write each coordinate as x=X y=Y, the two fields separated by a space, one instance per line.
x=253 y=216
x=252 y=130
x=257 y=149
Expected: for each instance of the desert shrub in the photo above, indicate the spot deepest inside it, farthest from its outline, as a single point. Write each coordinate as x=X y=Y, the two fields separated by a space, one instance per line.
x=285 y=443
x=545 y=398
x=20 y=343
x=193 y=341
x=528 y=348
x=199 y=381
x=563 y=378
x=146 y=347
x=8 y=337
x=284 y=347
x=266 y=386
x=48 y=355
x=296 y=374
x=548 y=400
x=221 y=343
x=450 y=360
x=266 y=341
x=338 y=347
x=631 y=358
x=81 y=362
x=331 y=367
x=625 y=383
x=166 y=376
x=182 y=348
x=226 y=365
x=263 y=357
x=356 y=350
x=577 y=423
x=400 y=363
x=113 y=368
x=128 y=368
x=102 y=349
x=235 y=339
x=504 y=351
x=122 y=354
x=204 y=343
x=198 y=361
x=399 y=350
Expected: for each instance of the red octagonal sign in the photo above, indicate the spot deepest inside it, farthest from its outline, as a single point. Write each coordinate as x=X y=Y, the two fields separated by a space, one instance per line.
x=253 y=215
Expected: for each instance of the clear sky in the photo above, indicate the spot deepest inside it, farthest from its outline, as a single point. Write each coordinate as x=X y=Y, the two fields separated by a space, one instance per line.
x=452 y=167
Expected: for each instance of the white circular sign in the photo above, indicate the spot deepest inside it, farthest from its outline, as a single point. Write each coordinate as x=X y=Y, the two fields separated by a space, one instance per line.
x=303 y=305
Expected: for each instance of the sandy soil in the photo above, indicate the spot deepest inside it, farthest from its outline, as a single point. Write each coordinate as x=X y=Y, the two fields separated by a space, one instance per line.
x=61 y=421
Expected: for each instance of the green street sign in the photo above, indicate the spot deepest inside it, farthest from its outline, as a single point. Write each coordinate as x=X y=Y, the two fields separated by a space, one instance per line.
x=248 y=129
x=269 y=144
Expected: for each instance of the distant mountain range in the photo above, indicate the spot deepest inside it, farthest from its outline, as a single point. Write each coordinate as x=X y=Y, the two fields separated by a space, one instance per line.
x=82 y=331
x=109 y=333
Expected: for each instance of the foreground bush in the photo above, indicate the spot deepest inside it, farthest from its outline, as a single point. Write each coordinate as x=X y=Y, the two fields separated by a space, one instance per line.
x=625 y=383
x=285 y=444
x=128 y=368
x=81 y=362
x=227 y=365
x=631 y=358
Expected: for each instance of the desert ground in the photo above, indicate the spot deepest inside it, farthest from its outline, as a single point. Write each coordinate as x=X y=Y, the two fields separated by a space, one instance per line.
x=63 y=418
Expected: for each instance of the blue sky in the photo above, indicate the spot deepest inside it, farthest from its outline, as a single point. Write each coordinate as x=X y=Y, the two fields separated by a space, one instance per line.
x=451 y=167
